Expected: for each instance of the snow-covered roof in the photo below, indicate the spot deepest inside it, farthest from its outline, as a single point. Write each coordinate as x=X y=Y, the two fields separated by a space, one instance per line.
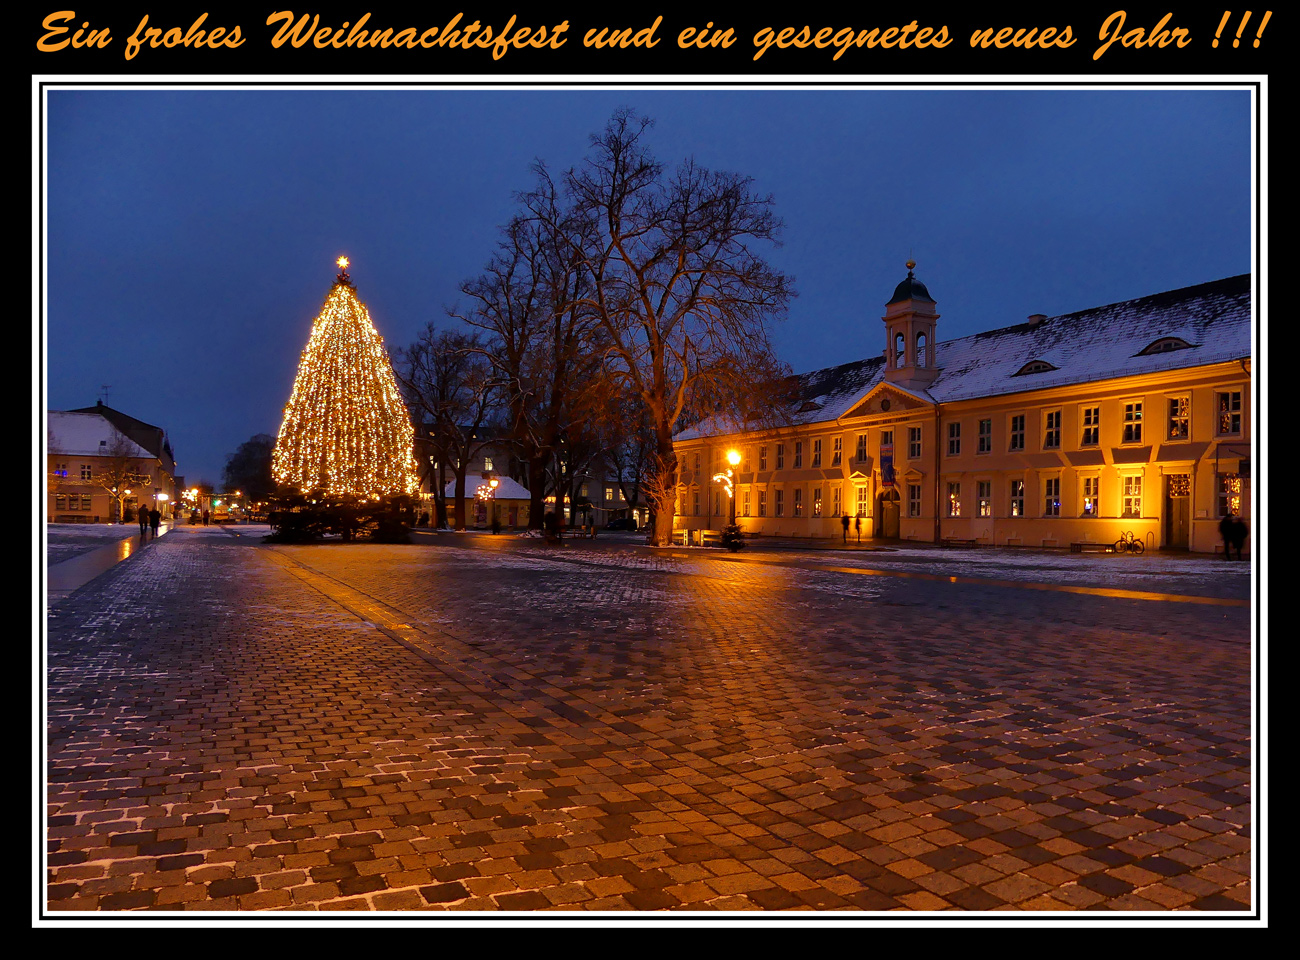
x=88 y=435
x=1090 y=345
x=507 y=489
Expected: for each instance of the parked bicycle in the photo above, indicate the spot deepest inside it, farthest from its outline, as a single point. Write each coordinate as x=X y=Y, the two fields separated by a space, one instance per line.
x=1128 y=543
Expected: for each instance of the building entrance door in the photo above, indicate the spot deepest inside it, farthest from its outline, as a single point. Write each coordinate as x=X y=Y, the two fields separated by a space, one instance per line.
x=888 y=513
x=1177 y=498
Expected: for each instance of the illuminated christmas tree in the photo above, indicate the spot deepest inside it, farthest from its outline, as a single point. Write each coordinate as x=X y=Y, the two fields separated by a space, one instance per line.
x=346 y=432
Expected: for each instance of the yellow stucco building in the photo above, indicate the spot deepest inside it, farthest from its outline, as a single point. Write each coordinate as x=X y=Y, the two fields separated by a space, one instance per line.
x=1129 y=418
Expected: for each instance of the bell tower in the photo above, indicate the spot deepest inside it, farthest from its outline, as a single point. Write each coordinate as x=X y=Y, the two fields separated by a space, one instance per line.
x=909 y=329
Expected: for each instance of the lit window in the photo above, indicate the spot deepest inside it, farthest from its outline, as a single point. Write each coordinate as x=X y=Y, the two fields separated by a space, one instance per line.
x=1052 y=430
x=1052 y=497
x=1018 y=432
x=1091 y=496
x=1017 y=498
x=487 y=466
x=1229 y=406
x=954 y=499
x=1133 y=422
x=609 y=493
x=1230 y=487
x=817 y=502
x=954 y=439
x=985 y=437
x=1180 y=416
x=1132 y=506
x=984 y=496
x=798 y=503
x=1091 y=427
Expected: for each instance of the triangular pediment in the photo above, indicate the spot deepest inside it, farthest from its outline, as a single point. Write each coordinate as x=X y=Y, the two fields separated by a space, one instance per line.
x=887 y=400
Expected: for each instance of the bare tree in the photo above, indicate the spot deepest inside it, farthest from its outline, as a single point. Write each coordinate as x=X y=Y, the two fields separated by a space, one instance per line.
x=447 y=380
x=677 y=287
x=119 y=471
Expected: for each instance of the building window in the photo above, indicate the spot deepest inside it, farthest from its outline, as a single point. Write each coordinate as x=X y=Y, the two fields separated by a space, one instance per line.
x=762 y=458
x=984 y=497
x=797 y=503
x=817 y=502
x=609 y=492
x=60 y=501
x=954 y=439
x=1052 y=497
x=913 y=499
x=621 y=495
x=985 y=437
x=1017 y=498
x=1229 y=406
x=717 y=503
x=1180 y=415
x=1091 y=427
x=1133 y=422
x=744 y=503
x=60 y=469
x=1018 y=432
x=954 y=499
x=913 y=443
x=798 y=454
x=487 y=466
x=1091 y=496
x=886 y=438
x=762 y=503
x=695 y=509
x=864 y=501
x=836 y=451
x=1230 y=488
x=697 y=464
x=1132 y=498
x=780 y=504
x=817 y=453
x=780 y=458
x=85 y=471
x=862 y=447
x=835 y=501
x=1052 y=430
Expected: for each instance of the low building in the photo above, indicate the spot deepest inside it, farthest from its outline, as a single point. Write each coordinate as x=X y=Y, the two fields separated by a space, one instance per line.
x=1131 y=418
x=508 y=501
x=102 y=463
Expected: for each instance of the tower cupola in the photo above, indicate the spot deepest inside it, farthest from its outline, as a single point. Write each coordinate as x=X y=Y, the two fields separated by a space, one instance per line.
x=910 y=318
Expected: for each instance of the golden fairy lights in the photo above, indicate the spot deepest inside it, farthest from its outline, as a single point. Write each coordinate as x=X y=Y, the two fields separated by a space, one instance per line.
x=346 y=431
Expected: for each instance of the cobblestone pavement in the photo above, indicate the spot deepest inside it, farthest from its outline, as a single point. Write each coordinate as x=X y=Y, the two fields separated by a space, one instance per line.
x=487 y=724
x=67 y=540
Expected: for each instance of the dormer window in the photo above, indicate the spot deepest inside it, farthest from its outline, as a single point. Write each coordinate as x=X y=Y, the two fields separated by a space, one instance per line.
x=809 y=406
x=1034 y=366
x=1164 y=345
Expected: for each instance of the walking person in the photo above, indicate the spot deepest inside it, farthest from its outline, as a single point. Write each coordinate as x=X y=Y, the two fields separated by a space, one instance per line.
x=143 y=517
x=844 y=522
x=205 y=517
x=1238 y=534
x=857 y=526
x=1225 y=531
x=155 y=520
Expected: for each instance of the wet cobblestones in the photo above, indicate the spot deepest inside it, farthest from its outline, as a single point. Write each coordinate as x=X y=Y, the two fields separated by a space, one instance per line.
x=491 y=726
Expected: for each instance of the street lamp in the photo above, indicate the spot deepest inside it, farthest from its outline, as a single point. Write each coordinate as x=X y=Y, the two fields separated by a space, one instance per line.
x=731 y=537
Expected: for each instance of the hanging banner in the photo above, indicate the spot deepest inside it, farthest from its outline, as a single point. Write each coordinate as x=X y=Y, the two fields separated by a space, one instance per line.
x=886 y=464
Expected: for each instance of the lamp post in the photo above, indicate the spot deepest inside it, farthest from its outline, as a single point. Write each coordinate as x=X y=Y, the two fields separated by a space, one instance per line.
x=732 y=538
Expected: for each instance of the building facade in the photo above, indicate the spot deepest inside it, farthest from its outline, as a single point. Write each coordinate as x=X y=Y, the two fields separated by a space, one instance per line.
x=93 y=449
x=1132 y=418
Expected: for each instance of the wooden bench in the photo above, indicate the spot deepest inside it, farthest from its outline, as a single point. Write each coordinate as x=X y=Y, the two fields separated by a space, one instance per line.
x=1087 y=546
x=958 y=542
x=710 y=537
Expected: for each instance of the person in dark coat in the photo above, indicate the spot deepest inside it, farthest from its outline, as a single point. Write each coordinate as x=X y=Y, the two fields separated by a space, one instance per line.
x=1238 y=534
x=144 y=518
x=155 y=520
x=844 y=522
x=1225 y=531
x=857 y=526
x=205 y=518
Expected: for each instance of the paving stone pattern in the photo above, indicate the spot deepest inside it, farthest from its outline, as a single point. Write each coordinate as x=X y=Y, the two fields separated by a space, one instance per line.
x=494 y=726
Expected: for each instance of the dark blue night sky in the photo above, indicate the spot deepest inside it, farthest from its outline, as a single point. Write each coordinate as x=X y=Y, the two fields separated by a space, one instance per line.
x=191 y=234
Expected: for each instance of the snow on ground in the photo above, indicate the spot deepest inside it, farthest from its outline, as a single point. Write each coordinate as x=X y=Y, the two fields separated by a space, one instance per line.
x=68 y=540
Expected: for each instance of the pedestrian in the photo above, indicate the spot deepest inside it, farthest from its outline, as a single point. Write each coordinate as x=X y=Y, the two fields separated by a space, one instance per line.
x=155 y=520
x=1225 y=531
x=143 y=517
x=844 y=522
x=205 y=517
x=857 y=525
x=1238 y=534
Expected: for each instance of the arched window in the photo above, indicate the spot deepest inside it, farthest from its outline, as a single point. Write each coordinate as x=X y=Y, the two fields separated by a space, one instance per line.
x=900 y=349
x=920 y=349
x=1034 y=366
x=1164 y=345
